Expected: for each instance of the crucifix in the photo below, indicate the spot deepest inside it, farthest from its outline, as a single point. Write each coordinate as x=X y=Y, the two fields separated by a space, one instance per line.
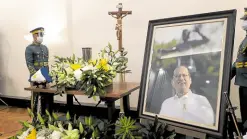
x=119 y=15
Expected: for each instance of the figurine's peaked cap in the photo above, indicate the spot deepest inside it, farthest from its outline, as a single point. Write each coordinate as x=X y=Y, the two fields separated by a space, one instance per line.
x=36 y=30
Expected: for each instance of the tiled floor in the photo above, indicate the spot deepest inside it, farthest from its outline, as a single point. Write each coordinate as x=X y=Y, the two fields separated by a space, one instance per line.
x=9 y=120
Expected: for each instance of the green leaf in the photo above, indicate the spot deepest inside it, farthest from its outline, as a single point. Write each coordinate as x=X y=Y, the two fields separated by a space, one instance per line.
x=49 y=115
x=70 y=127
x=41 y=120
x=94 y=98
x=86 y=120
x=55 y=116
x=52 y=127
x=124 y=53
x=30 y=113
x=110 y=46
x=89 y=90
x=94 y=89
x=25 y=124
x=68 y=116
x=99 y=78
x=101 y=92
x=60 y=125
x=90 y=120
x=124 y=136
x=171 y=136
x=73 y=58
x=75 y=121
x=109 y=80
x=81 y=129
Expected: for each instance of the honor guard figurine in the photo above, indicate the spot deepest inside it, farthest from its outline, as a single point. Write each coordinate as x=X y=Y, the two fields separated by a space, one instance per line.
x=239 y=69
x=37 y=56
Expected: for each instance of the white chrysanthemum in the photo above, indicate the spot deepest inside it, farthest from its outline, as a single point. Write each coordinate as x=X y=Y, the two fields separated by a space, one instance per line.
x=77 y=74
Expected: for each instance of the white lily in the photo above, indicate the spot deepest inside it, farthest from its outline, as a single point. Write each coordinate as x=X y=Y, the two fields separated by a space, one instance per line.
x=56 y=135
x=41 y=137
x=88 y=67
x=24 y=134
x=66 y=65
x=69 y=70
x=245 y=136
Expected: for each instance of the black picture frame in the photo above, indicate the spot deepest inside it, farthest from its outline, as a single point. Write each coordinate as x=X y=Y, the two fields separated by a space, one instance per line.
x=230 y=19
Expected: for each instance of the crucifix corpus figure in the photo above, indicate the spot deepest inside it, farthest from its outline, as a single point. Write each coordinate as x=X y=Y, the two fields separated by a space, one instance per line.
x=119 y=15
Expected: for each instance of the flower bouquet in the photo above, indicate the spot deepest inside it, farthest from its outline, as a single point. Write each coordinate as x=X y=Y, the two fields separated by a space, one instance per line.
x=50 y=126
x=93 y=76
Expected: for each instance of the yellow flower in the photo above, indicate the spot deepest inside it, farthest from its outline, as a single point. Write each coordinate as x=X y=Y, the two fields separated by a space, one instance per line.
x=75 y=66
x=103 y=62
x=98 y=66
x=93 y=62
x=32 y=135
x=106 y=67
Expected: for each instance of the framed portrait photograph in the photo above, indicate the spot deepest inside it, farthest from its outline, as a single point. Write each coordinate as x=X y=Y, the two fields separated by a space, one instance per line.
x=186 y=69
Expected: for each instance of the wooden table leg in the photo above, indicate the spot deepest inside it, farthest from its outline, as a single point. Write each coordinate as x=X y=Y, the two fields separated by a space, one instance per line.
x=111 y=110
x=70 y=104
x=126 y=104
x=43 y=102
x=112 y=116
x=47 y=101
x=51 y=103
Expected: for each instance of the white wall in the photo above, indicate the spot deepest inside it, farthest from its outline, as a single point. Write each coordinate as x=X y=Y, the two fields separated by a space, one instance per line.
x=72 y=25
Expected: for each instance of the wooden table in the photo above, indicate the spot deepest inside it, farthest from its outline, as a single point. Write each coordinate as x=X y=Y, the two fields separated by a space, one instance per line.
x=114 y=92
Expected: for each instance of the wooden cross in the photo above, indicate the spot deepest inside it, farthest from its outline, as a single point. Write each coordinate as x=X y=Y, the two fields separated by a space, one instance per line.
x=119 y=15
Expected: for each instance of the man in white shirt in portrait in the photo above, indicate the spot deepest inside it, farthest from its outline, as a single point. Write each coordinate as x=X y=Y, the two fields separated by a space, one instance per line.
x=185 y=105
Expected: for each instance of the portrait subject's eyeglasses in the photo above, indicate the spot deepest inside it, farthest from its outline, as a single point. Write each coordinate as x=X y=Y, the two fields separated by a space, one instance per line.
x=181 y=75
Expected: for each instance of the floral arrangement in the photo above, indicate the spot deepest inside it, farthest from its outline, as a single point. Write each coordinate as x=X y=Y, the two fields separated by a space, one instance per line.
x=51 y=126
x=92 y=76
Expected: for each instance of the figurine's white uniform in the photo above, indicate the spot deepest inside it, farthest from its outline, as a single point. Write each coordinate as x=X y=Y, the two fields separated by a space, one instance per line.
x=190 y=107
